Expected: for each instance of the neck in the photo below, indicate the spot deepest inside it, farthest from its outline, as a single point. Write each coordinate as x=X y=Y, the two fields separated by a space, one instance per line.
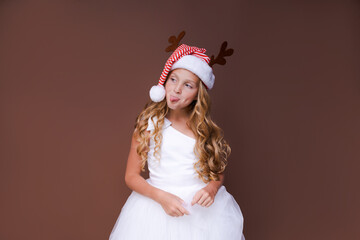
x=178 y=115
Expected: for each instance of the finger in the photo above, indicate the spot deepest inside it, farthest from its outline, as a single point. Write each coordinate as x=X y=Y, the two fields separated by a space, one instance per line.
x=210 y=203
x=206 y=202
x=196 y=198
x=179 y=213
x=173 y=213
x=184 y=211
x=202 y=199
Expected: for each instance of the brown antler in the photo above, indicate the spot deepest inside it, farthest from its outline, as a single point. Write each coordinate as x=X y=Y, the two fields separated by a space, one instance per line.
x=174 y=42
x=220 y=57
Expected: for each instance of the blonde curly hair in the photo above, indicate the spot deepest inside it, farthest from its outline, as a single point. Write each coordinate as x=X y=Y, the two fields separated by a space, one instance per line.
x=211 y=149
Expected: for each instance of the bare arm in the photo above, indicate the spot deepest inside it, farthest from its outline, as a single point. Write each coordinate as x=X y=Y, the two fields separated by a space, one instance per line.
x=217 y=184
x=171 y=204
x=133 y=179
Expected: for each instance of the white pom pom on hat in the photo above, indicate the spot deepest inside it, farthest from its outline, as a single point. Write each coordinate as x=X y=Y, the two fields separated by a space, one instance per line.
x=157 y=93
x=190 y=58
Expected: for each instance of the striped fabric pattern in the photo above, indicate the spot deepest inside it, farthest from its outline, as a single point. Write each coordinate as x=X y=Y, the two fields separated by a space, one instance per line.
x=181 y=51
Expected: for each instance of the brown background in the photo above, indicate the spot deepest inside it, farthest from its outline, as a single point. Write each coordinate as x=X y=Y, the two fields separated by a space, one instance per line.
x=75 y=74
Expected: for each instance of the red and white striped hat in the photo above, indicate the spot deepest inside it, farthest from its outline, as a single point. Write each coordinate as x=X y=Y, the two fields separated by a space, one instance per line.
x=190 y=58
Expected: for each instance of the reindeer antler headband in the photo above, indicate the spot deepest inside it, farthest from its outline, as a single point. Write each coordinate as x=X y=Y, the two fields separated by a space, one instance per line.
x=190 y=58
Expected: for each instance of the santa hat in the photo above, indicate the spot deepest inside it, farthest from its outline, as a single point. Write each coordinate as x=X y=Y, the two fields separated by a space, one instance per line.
x=190 y=58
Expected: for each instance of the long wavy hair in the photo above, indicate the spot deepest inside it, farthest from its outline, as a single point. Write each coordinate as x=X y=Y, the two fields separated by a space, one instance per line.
x=211 y=149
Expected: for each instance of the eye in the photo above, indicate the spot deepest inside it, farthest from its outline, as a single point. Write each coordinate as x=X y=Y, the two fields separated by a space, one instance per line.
x=188 y=85
x=172 y=79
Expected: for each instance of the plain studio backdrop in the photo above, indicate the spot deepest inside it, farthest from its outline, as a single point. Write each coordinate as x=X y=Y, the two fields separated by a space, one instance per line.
x=74 y=74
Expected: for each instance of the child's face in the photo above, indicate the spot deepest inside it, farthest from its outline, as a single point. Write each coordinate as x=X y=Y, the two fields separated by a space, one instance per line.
x=181 y=88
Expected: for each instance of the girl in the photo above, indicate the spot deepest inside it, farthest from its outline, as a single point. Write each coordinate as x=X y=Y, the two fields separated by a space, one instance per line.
x=183 y=199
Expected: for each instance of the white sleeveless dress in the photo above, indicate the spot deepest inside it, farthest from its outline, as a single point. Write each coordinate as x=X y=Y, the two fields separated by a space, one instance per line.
x=142 y=218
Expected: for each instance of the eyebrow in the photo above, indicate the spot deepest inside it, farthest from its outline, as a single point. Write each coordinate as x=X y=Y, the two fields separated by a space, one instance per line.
x=190 y=80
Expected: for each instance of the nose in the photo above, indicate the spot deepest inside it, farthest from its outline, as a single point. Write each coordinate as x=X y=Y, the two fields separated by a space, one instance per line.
x=177 y=88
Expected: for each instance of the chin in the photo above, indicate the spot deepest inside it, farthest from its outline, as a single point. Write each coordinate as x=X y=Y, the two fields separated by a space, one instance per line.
x=172 y=107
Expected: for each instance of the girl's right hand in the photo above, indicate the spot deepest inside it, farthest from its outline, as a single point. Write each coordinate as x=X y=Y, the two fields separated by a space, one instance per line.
x=172 y=204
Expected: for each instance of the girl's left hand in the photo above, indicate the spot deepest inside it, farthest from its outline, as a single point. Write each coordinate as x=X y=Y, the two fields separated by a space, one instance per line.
x=205 y=196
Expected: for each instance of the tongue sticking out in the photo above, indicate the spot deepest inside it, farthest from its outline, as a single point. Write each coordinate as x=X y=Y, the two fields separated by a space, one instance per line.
x=174 y=99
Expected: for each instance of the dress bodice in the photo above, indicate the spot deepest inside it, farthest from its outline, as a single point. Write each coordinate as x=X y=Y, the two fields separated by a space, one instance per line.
x=175 y=166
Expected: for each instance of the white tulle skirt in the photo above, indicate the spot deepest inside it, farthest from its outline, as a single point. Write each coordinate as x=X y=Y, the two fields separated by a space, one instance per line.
x=142 y=218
